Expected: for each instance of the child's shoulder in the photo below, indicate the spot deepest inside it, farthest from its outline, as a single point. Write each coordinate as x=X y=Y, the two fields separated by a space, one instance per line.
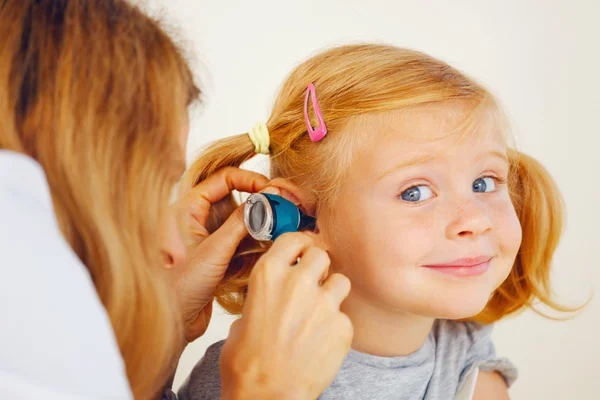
x=470 y=346
x=204 y=383
x=215 y=349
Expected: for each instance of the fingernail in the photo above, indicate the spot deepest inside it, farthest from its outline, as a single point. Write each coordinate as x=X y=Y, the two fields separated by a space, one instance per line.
x=271 y=190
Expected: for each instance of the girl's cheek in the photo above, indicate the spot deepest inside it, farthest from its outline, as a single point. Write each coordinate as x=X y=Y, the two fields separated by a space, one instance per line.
x=507 y=225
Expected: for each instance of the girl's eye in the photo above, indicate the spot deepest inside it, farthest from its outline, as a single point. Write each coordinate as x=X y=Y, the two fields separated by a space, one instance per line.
x=416 y=194
x=484 y=185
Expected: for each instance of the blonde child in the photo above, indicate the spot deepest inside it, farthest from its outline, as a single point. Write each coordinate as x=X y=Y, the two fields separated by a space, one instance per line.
x=441 y=225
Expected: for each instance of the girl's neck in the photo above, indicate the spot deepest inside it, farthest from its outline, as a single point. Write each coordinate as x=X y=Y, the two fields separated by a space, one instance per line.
x=382 y=332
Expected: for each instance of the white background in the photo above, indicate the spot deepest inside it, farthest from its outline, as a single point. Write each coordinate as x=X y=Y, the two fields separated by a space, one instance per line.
x=540 y=57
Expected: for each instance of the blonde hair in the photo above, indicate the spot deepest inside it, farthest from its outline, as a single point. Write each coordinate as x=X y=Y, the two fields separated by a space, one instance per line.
x=355 y=80
x=97 y=93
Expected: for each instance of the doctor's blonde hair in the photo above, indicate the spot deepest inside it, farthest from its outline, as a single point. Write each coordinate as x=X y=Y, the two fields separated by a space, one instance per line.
x=96 y=92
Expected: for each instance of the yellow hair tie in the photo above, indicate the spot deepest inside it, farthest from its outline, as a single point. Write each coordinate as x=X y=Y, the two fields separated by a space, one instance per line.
x=260 y=137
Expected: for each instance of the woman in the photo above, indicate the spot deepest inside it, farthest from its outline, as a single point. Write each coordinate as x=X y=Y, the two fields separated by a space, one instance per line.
x=93 y=125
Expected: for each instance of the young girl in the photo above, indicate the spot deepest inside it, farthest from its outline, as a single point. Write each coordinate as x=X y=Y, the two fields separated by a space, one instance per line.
x=442 y=227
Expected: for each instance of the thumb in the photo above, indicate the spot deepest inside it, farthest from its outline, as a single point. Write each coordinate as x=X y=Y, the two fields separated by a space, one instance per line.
x=221 y=245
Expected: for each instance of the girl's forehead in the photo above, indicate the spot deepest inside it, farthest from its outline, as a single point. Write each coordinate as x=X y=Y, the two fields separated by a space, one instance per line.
x=428 y=132
x=433 y=122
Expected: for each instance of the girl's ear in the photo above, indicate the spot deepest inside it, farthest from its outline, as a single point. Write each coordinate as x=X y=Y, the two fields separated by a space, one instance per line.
x=300 y=197
x=305 y=201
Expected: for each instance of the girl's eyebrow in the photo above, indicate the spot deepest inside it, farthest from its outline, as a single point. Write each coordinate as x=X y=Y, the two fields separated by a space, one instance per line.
x=493 y=153
x=422 y=159
x=425 y=158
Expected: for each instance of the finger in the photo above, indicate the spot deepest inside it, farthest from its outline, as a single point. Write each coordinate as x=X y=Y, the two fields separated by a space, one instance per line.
x=314 y=265
x=337 y=287
x=222 y=182
x=346 y=331
x=225 y=240
x=234 y=330
x=288 y=248
x=219 y=185
x=232 y=340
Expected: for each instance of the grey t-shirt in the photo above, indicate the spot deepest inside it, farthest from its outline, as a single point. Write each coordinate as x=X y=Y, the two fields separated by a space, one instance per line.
x=434 y=372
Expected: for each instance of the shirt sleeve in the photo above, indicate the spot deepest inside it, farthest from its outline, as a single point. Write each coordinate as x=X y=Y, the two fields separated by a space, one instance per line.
x=56 y=340
x=482 y=355
x=204 y=383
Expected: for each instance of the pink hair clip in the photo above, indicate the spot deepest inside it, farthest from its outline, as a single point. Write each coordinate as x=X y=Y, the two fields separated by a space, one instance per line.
x=318 y=132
